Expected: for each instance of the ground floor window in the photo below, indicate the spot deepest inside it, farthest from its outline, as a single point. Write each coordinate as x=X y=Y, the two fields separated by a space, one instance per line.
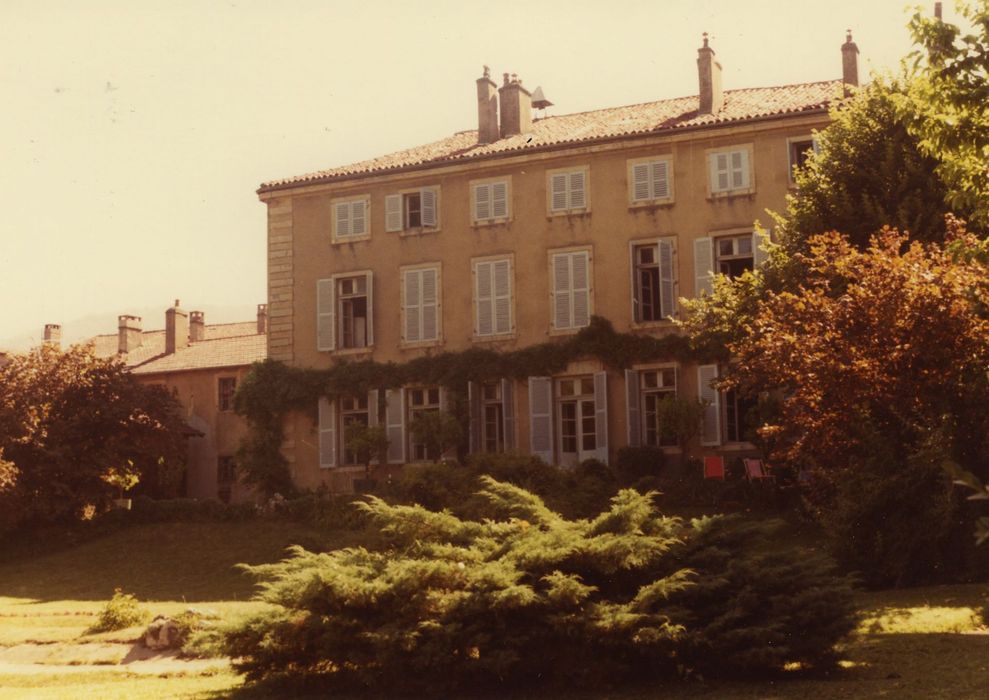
x=655 y=385
x=739 y=416
x=226 y=475
x=421 y=400
x=353 y=411
x=492 y=418
x=576 y=425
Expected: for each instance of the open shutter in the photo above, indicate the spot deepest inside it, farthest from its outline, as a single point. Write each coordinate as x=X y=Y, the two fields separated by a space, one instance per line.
x=499 y=200
x=660 y=179
x=711 y=429
x=372 y=414
x=484 y=298
x=737 y=170
x=581 y=290
x=502 y=284
x=703 y=266
x=474 y=413
x=667 y=301
x=428 y=198
x=744 y=170
x=369 y=286
x=601 y=416
x=393 y=213
x=541 y=418
x=760 y=247
x=508 y=413
x=395 y=425
x=558 y=192
x=482 y=202
x=327 y=434
x=578 y=190
x=451 y=453
x=325 y=335
x=430 y=305
x=562 y=294
x=358 y=218
x=342 y=218
x=720 y=175
x=640 y=182
x=412 y=306
x=632 y=408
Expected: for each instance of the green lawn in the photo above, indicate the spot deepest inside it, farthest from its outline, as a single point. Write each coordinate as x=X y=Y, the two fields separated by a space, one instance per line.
x=915 y=644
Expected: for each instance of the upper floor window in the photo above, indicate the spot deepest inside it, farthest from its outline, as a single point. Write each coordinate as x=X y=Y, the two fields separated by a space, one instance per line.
x=421 y=305
x=729 y=254
x=730 y=170
x=226 y=388
x=650 y=181
x=412 y=210
x=652 y=281
x=734 y=254
x=350 y=219
x=568 y=190
x=570 y=282
x=490 y=202
x=344 y=312
x=798 y=151
x=493 y=298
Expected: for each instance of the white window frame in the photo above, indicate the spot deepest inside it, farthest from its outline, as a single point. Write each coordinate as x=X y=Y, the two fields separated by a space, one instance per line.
x=330 y=341
x=571 y=202
x=646 y=167
x=477 y=283
x=420 y=341
x=672 y=287
x=790 y=143
x=486 y=191
x=396 y=210
x=438 y=407
x=746 y=171
x=572 y=327
x=347 y=204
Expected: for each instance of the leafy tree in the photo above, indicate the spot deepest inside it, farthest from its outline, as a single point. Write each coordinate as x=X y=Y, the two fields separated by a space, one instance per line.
x=439 y=431
x=367 y=442
x=71 y=424
x=680 y=419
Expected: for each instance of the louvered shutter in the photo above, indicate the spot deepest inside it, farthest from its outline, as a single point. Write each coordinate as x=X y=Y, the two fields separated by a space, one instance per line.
x=581 y=290
x=428 y=199
x=634 y=426
x=413 y=305
x=601 y=416
x=474 y=413
x=484 y=298
x=562 y=294
x=711 y=428
x=508 y=412
x=760 y=246
x=369 y=277
x=325 y=330
x=482 y=202
x=558 y=192
x=327 y=434
x=541 y=418
x=395 y=425
x=578 y=190
x=430 y=305
x=660 y=179
x=667 y=302
x=499 y=200
x=703 y=266
x=501 y=271
x=393 y=213
x=744 y=169
x=372 y=415
x=736 y=170
x=358 y=218
x=640 y=182
x=342 y=218
x=720 y=175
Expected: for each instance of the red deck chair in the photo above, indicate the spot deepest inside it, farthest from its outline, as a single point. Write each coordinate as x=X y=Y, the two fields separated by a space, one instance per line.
x=754 y=470
x=714 y=467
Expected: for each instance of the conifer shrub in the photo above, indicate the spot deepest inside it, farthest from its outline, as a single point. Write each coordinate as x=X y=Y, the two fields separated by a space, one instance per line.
x=528 y=597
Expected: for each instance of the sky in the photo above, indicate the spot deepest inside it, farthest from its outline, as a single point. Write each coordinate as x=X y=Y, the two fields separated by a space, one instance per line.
x=135 y=133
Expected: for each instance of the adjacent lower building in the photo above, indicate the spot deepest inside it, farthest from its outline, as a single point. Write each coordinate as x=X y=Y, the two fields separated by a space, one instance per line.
x=516 y=233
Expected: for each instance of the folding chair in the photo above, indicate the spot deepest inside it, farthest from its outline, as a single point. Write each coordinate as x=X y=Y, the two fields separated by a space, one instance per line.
x=714 y=467
x=755 y=471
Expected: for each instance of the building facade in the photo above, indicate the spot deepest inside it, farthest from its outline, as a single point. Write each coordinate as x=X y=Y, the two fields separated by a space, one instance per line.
x=515 y=234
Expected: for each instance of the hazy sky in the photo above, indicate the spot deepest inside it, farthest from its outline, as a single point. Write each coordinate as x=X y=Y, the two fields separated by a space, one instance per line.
x=133 y=134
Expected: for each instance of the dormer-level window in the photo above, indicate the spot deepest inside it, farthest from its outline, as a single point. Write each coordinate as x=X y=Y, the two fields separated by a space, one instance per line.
x=730 y=170
x=413 y=210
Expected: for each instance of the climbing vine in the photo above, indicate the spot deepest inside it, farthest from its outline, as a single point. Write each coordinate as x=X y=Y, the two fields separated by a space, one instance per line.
x=272 y=389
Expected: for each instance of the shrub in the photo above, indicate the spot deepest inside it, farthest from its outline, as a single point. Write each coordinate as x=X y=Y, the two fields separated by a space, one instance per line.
x=120 y=612
x=635 y=463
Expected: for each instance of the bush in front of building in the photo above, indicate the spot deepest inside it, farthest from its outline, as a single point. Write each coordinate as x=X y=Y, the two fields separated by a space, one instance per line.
x=632 y=464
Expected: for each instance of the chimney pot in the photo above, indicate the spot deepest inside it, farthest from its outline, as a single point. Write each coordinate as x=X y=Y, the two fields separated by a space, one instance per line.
x=128 y=333
x=712 y=97
x=197 y=326
x=53 y=335
x=176 y=329
x=849 y=63
x=487 y=108
x=937 y=10
x=262 y=319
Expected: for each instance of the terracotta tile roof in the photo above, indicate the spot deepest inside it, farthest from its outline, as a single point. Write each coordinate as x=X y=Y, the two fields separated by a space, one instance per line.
x=603 y=124
x=225 y=345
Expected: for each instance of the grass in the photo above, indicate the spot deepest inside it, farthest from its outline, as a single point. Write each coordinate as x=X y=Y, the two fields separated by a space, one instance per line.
x=917 y=644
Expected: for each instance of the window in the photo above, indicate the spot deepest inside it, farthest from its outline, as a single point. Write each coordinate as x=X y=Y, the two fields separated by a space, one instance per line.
x=799 y=150
x=655 y=385
x=490 y=201
x=569 y=416
x=650 y=181
x=730 y=171
x=226 y=388
x=420 y=305
x=411 y=211
x=492 y=418
x=570 y=282
x=730 y=254
x=226 y=477
x=350 y=219
x=568 y=190
x=653 y=296
x=344 y=312
x=739 y=412
x=493 y=297
x=733 y=254
x=421 y=400
x=492 y=415
x=576 y=428
x=353 y=411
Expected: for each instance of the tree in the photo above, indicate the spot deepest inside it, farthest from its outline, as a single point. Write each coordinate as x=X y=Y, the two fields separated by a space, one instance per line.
x=72 y=424
x=439 y=431
x=367 y=442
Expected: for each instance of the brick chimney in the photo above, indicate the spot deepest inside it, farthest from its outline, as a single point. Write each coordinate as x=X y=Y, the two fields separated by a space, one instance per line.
x=849 y=62
x=128 y=333
x=709 y=73
x=487 y=108
x=176 y=329
x=262 y=319
x=53 y=335
x=516 y=107
x=197 y=326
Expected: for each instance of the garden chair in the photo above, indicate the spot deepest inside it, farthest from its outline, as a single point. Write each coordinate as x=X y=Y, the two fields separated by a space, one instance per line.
x=714 y=467
x=755 y=471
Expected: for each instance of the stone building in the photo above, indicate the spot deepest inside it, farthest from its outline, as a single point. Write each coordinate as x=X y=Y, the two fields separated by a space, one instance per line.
x=517 y=232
